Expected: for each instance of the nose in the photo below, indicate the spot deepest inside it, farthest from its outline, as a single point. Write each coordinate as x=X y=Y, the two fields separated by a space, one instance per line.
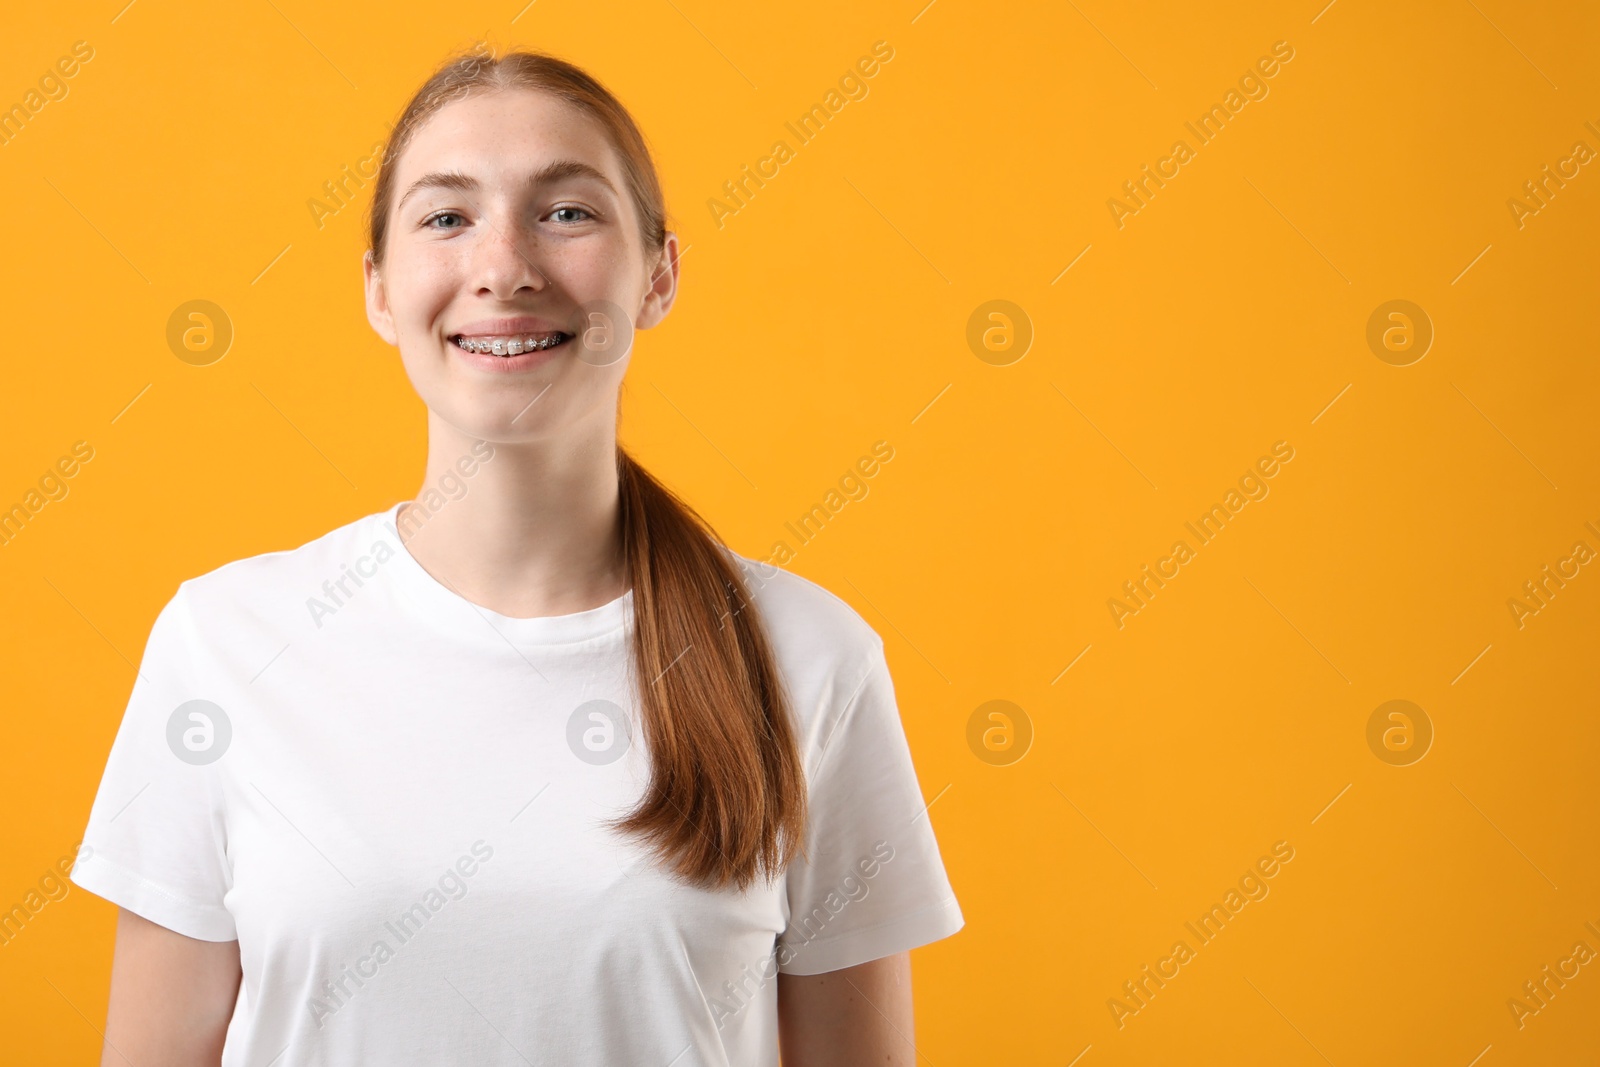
x=504 y=260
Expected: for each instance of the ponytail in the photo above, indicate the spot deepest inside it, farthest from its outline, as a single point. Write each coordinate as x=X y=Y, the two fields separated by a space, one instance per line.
x=726 y=798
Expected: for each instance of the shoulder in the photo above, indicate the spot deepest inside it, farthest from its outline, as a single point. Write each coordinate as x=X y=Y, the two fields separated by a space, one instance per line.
x=823 y=644
x=801 y=608
x=275 y=585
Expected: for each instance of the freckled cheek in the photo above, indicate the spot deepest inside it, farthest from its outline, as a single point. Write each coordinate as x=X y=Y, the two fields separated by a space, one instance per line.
x=441 y=272
x=597 y=273
x=568 y=261
x=427 y=292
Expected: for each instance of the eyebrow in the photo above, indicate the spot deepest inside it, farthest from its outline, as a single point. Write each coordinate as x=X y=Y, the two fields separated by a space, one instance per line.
x=554 y=171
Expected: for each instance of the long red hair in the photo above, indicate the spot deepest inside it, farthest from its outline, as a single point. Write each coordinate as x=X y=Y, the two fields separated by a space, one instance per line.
x=726 y=797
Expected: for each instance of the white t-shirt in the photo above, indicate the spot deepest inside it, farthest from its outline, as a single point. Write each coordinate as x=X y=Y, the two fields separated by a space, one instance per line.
x=391 y=798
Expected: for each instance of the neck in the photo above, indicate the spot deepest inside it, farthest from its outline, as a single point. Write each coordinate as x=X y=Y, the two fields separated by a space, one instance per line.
x=531 y=532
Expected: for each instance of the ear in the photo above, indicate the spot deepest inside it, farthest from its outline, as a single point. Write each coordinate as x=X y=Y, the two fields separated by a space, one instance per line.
x=663 y=285
x=377 y=301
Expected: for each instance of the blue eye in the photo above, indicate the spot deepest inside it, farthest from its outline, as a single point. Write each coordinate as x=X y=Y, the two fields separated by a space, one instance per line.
x=441 y=215
x=579 y=210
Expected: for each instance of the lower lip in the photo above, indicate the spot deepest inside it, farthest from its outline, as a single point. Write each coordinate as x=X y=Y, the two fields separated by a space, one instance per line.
x=488 y=361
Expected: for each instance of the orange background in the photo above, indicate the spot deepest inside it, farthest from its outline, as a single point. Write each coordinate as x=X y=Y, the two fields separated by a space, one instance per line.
x=831 y=311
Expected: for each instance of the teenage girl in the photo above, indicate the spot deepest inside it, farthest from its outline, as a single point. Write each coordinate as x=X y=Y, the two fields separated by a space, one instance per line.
x=531 y=769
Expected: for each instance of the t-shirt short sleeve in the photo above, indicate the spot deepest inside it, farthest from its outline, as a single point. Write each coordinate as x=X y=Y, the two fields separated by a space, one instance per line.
x=155 y=841
x=874 y=883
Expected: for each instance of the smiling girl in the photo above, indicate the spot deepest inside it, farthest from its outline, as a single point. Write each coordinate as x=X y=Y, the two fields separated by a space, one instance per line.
x=569 y=782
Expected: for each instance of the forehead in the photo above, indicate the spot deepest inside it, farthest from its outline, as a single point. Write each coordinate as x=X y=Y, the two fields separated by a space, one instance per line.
x=505 y=132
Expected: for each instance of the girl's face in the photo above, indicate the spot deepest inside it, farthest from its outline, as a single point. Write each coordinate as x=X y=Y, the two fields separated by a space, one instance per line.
x=511 y=220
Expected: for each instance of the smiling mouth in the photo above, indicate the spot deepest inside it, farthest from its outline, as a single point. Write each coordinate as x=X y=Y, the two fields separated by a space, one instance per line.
x=507 y=345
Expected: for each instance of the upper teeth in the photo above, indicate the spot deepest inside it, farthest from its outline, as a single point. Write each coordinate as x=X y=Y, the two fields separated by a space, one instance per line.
x=501 y=346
